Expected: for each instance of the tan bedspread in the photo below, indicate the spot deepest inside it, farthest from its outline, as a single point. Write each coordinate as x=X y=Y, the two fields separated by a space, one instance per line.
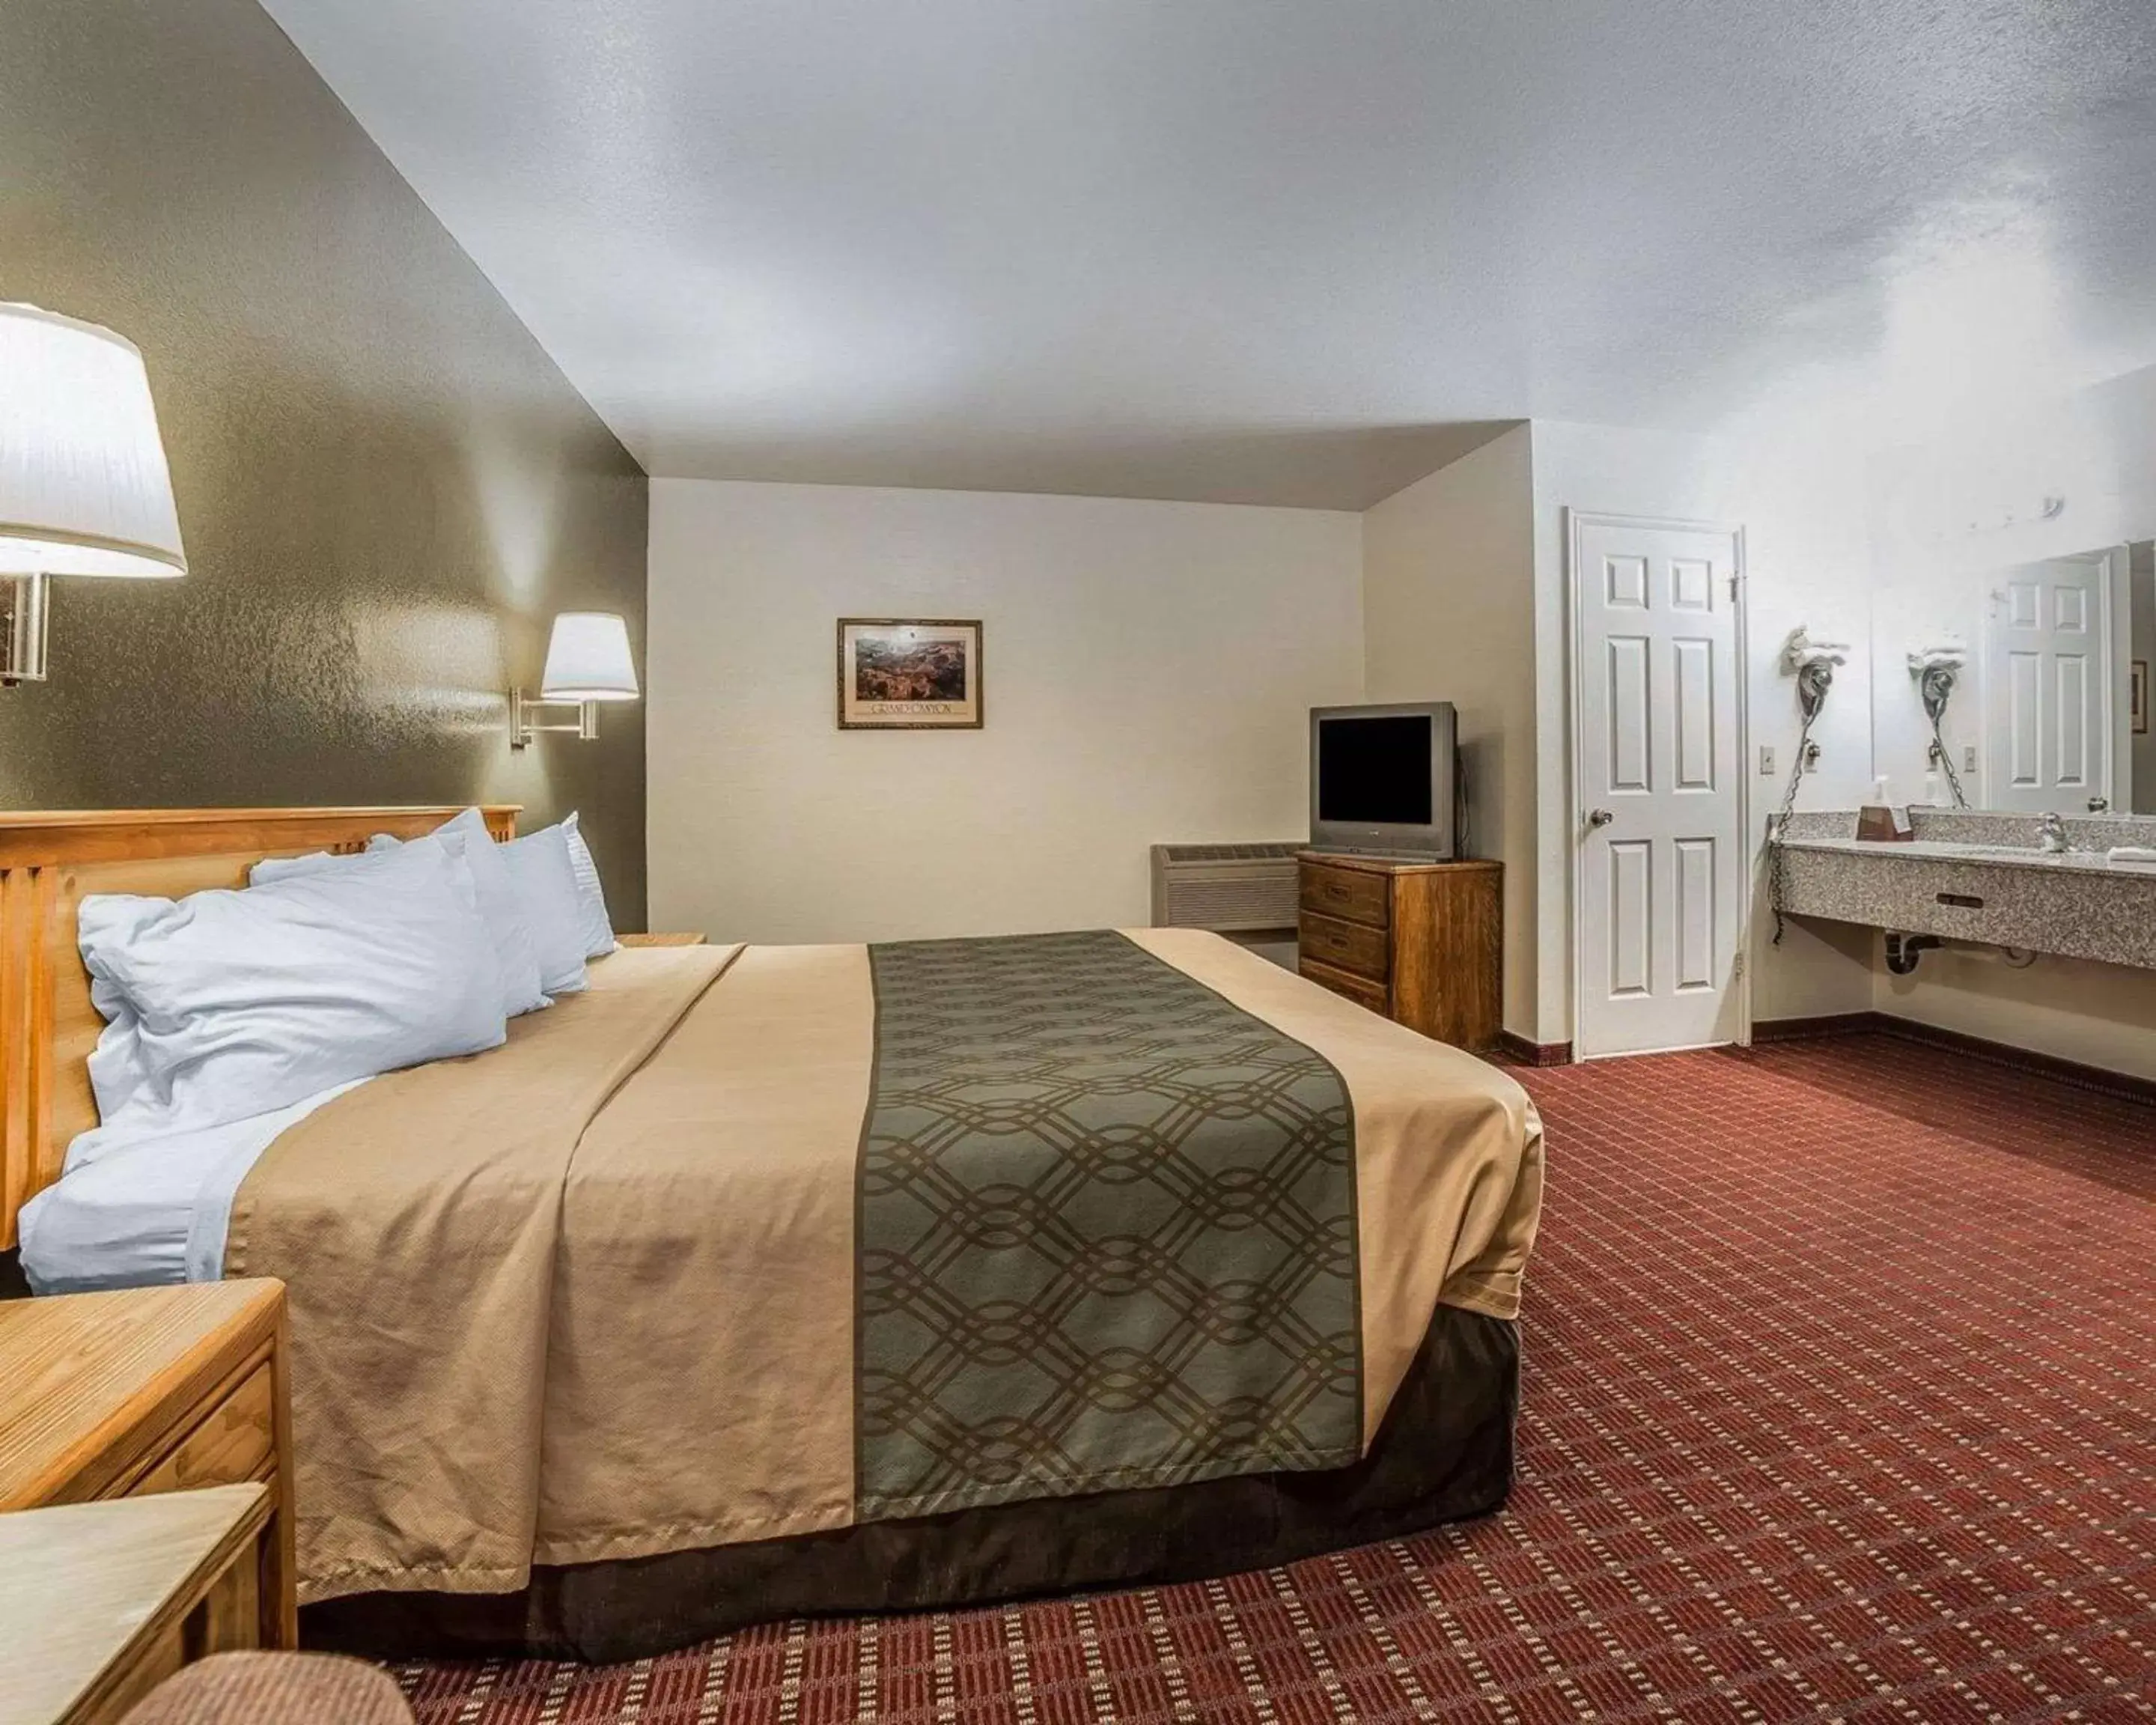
x=415 y=1222
x=604 y=1278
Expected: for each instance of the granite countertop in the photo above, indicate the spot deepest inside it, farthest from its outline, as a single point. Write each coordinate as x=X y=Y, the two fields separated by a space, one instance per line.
x=1982 y=856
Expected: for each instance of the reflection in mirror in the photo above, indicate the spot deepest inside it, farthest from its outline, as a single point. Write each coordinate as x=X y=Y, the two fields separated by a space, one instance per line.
x=2024 y=689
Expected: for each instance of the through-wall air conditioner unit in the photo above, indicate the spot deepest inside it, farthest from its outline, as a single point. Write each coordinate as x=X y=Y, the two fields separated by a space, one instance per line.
x=1233 y=889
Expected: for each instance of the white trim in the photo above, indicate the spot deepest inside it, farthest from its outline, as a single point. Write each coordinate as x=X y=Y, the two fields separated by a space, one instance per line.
x=2118 y=673
x=1637 y=1054
x=1745 y=967
x=1576 y=521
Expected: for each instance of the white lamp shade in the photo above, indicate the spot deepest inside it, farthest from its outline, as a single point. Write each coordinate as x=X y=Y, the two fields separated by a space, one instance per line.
x=587 y=659
x=83 y=487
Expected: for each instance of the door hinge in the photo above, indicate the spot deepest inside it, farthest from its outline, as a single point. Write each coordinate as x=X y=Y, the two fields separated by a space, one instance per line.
x=1737 y=969
x=1736 y=586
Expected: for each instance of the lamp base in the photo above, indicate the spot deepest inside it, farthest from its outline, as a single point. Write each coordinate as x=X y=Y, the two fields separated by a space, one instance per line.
x=25 y=620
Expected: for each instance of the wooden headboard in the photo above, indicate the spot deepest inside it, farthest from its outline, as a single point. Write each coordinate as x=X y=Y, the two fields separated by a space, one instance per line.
x=48 y=864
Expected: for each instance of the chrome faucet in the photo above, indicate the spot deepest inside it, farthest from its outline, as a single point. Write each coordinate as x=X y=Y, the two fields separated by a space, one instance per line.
x=2051 y=835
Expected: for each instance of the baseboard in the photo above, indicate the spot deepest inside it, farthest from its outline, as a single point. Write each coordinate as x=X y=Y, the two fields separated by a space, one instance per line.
x=1836 y=1024
x=1522 y=1052
x=1980 y=1048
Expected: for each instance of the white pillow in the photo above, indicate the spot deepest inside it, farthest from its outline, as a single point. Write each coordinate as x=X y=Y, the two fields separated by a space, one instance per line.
x=282 y=868
x=225 y=1005
x=545 y=883
x=544 y=879
x=517 y=960
x=591 y=896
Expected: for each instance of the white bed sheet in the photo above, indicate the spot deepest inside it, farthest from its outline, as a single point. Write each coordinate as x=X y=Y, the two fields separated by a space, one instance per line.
x=154 y=1210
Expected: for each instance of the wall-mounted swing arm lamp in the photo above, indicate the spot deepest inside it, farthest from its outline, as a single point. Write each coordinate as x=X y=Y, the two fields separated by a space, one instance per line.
x=588 y=662
x=83 y=486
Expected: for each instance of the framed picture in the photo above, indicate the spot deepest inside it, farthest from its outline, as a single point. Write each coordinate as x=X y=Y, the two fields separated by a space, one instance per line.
x=2137 y=684
x=909 y=674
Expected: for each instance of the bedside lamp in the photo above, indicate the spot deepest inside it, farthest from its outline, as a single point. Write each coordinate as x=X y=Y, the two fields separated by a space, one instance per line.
x=587 y=662
x=83 y=486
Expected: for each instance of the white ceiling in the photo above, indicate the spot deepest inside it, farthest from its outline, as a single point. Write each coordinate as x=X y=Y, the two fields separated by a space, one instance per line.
x=1292 y=251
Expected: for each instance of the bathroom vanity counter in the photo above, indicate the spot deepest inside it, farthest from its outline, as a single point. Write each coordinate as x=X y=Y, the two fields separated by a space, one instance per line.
x=2074 y=903
x=2001 y=856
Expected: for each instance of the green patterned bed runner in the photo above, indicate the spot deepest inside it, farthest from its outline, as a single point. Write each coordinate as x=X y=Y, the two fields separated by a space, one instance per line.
x=1106 y=1233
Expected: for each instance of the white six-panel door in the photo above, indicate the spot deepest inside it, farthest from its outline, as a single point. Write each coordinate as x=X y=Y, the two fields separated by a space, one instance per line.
x=1661 y=874
x=2047 y=687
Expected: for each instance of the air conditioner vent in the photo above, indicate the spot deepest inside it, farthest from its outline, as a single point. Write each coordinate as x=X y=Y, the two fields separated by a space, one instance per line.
x=1236 y=888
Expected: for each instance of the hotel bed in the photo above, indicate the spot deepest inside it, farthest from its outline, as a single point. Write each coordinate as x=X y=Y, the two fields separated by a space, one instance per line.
x=762 y=1280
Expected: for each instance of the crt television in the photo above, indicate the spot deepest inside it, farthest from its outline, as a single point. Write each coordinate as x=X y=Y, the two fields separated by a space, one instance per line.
x=1382 y=779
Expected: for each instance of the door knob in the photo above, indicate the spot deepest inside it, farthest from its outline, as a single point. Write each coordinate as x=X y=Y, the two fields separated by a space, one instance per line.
x=1599 y=816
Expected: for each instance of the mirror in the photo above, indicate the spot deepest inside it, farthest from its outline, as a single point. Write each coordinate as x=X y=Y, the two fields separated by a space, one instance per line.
x=2038 y=675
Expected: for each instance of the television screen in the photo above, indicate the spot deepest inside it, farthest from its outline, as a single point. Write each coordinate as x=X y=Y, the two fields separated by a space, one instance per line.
x=1375 y=770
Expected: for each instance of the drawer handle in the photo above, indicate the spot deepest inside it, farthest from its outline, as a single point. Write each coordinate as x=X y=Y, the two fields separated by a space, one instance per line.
x=1961 y=901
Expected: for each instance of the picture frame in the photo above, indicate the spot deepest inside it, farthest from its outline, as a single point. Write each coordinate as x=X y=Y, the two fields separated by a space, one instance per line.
x=910 y=674
x=2136 y=685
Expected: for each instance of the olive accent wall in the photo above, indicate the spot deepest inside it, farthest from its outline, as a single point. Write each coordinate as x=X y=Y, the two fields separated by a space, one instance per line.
x=386 y=487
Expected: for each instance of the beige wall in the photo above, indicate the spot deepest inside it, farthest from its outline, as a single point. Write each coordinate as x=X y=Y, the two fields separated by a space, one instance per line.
x=386 y=489
x=2098 y=1014
x=1447 y=592
x=1149 y=667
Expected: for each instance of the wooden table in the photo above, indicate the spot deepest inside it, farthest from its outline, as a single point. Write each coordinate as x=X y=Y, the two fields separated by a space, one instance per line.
x=101 y=1602
x=150 y=1391
x=659 y=940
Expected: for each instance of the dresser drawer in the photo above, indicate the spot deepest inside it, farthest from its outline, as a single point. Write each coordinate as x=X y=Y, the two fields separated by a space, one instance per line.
x=1358 y=990
x=1346 y=946
x=1347 y=893
x=231 y=1444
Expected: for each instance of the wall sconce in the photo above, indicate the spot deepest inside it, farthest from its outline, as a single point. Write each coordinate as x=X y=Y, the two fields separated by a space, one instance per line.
x=587 y=662
x=83 y=486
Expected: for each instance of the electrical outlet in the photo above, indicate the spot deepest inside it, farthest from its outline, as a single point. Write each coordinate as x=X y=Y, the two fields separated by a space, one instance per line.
x=1766 y=760
x=1968 y=758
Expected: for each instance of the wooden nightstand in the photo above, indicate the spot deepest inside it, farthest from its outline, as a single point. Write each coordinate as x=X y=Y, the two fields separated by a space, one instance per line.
x=659 y=940
x=150 y=1391
x=104 y=1601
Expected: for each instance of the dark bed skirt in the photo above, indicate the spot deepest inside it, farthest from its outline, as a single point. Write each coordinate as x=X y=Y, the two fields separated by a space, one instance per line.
x=1443 y=1453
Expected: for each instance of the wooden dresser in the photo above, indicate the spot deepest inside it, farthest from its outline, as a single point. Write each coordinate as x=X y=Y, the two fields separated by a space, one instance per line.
x=1421 y=942
x=154 y=1390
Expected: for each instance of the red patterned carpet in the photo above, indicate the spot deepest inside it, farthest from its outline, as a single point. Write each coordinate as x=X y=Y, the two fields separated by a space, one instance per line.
x=1839 y=1403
